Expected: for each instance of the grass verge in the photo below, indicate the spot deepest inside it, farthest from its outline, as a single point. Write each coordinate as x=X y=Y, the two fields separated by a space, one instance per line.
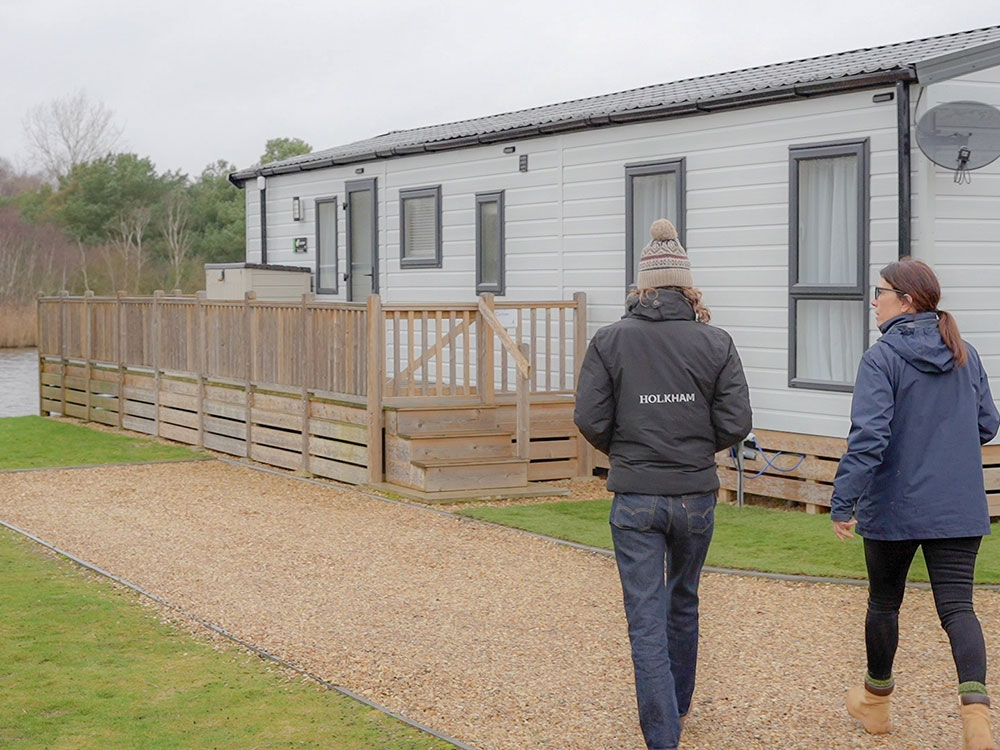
x=37 y=442
x=748 y=538
x=85 y=666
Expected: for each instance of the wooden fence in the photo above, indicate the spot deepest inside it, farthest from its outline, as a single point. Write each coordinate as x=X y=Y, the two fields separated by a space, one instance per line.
x=801 y=469
x=300 y=385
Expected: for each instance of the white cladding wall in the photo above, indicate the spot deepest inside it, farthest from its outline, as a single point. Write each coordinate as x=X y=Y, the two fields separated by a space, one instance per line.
x=959 y=227
x=565 y=223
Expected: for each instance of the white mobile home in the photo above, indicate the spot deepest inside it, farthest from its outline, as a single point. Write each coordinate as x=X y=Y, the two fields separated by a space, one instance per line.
x=791 y=185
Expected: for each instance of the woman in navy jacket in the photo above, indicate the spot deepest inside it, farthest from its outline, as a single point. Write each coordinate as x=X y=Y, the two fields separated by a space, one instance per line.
x=912 y=477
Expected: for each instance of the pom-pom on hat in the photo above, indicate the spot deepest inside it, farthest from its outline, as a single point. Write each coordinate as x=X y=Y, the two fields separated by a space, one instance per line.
x=664 y=262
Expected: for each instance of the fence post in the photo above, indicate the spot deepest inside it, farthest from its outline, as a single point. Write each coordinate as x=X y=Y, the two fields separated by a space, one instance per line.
x=157 y=297
x=38 y=338
x=484 y=353
x=120 y=355
x=584 y=452
x=523 y=409
x=250 y=350
x=63 y=294
x=376 y=378
x=202 y=365
x=88 y=345
x=307 y=368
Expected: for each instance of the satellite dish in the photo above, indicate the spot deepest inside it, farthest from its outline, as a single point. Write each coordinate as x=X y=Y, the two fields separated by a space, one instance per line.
x=960 y=136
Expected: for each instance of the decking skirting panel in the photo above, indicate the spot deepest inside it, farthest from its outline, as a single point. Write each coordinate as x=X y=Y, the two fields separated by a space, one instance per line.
x=215 y=415
x=555 y=442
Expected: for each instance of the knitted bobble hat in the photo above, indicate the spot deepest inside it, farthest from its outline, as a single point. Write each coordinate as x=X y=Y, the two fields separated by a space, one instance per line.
x=663 y=261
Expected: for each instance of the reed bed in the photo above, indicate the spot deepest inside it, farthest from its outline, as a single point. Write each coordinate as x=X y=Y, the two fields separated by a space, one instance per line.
x=18 y=326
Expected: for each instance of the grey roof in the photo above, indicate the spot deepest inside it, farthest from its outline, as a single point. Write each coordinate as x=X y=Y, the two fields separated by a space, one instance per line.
x=862 y=68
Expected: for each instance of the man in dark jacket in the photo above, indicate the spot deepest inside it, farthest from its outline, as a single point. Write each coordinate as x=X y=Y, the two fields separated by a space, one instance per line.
x=661 y=392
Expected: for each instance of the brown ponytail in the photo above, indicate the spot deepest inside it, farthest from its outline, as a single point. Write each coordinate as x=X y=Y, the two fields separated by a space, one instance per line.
x=915 y=279
x=701 y=313
x=952 y=337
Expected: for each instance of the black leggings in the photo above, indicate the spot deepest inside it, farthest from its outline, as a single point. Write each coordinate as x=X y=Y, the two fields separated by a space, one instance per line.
x=951 y=564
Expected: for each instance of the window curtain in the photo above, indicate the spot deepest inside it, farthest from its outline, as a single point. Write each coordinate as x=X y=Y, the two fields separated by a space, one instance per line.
x=828 y=221
x=828 y=339
x=654 y=197
x=420 y=226
x=489 y=228
x=327 y=245
x=828 y=332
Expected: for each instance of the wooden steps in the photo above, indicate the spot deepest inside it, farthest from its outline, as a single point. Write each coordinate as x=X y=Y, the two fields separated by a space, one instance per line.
x=437 y=417
x=438 y=448
x=432 y=444
x=427 y=446
x=533 y=489
x=443 y=475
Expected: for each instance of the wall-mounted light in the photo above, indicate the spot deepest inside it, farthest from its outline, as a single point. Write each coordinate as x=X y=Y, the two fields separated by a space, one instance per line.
x=261 y=182
x=508 y=149
x=296 y=209
x=886 y=97
x=359 y=170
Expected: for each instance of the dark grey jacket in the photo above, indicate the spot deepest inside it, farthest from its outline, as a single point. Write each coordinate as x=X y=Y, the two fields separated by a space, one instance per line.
x=661 y=393
x=913 y=467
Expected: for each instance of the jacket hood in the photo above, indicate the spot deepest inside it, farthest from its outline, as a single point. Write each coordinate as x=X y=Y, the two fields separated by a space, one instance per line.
x=916 y=338
x=669 y=304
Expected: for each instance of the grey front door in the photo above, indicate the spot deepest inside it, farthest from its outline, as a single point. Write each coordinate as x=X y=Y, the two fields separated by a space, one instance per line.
x=362 y=239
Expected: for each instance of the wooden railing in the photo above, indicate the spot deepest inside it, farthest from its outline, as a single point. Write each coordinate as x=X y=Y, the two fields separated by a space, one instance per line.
x=429 y=350
x=434 y=350
x=519 y=356
x=322 y=346
x=366 y=354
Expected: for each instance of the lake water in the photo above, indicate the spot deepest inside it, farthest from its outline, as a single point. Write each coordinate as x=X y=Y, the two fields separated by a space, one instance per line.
x=18 y=382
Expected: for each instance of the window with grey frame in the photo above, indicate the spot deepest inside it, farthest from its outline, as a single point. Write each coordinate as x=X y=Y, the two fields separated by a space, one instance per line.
x=828 y=263
x=490 y=261
x=326 y=245
x=420 y=227
x=653 y=190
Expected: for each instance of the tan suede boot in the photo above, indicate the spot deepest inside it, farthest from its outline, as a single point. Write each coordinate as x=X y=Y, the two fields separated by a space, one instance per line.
x=976 y=732
x=870 y=709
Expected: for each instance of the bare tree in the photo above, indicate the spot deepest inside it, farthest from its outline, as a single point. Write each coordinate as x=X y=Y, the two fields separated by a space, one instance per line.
x=33 y=258
x=176 y=234
x=127 y=238
x=15 y=181
x=65 y=132
x=83 y=266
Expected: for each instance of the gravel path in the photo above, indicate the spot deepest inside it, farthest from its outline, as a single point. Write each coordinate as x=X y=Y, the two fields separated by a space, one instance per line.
x=506 y=641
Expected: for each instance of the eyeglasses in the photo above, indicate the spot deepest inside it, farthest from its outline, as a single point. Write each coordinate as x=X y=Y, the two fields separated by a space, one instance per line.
x=879 y=289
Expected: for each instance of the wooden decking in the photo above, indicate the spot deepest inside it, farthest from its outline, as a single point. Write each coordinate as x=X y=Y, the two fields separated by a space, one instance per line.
x=810 y=481
x=473 y=398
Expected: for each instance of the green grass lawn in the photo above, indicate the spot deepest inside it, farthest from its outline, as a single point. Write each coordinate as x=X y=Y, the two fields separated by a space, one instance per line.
x=35 y=442
x=746 y=538
x=84 y=666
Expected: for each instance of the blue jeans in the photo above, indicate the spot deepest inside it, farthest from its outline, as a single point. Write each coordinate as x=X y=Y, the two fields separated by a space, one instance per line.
x=650 y=532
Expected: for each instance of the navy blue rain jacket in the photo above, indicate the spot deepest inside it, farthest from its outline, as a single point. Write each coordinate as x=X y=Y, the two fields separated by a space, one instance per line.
x=913 y=467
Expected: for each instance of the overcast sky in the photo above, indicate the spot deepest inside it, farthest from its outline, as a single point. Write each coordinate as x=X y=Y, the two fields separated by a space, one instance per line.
x=193 y=82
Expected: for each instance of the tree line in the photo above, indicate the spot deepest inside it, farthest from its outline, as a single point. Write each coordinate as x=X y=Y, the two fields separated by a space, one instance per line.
x=87 y=214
